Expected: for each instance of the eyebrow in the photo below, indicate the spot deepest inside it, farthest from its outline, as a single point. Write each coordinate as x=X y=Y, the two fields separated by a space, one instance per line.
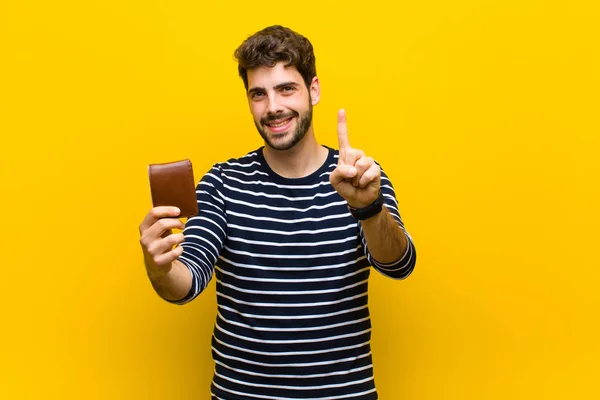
x=277 y=87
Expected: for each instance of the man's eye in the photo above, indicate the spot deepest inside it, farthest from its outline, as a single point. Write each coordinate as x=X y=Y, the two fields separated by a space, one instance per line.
x=287 y=88
x=256 y=95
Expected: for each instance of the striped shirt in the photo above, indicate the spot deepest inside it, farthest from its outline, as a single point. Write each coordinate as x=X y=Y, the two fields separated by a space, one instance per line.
x=291 y=268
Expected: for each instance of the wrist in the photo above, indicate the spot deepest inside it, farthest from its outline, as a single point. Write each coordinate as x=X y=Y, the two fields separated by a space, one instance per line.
x=369 y=211
x=156 y=273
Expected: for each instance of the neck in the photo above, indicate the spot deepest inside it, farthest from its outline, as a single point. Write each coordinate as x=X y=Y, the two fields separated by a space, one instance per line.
x=301 y=160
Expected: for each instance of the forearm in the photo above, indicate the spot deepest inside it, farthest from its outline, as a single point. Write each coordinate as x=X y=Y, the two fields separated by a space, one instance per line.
x=386 y=241
x=173 y=285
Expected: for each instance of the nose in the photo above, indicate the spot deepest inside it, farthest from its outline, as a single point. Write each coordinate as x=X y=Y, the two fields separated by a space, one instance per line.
x=273 y=107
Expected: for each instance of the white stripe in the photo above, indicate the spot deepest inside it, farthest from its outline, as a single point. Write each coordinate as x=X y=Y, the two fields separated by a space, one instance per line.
x=292 y=305
x=279 y=244
x=290 y=317
x=278 y=196
x=190 y=227
x=292 y=292
x=234 y=164
x=297 y=256
x=288 y=221
x=300 y=280
x=209 y=194
x=194 y=249
x=409 y=249
x=255 y=172
x=302 y=269
x=264 y=206
x=301 y=232
x=390 y=270
x=250 y=155
x=219 y=213
x=390 y=197
x=291 y=353
x=211 y=205
x=202 y=228
x=207 y=241
x=309 y=376
x=272 y=184
x=285 y=387
x=215 y=177
x=196 y=270
x=296 y=341
x=311 y=328
x=293 y=398
x=394 y=267
x=292 y=365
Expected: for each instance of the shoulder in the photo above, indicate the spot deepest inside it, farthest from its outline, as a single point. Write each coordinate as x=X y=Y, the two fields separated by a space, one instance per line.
x=249 y=159
x=247 y=162
x=238 y=171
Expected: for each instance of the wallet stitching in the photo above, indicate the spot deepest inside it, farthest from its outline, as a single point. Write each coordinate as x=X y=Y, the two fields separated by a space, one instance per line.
x=189 y=164
x=192 y=181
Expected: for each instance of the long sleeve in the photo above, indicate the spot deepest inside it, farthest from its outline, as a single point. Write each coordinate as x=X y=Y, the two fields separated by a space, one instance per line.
x=204 y=234
x=403 y=267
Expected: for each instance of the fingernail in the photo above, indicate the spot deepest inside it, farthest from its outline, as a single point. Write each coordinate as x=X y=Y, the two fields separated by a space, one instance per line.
x=176 y=211
x=352 y=171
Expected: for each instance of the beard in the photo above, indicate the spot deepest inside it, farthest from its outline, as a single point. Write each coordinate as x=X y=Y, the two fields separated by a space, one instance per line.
x=302 y=127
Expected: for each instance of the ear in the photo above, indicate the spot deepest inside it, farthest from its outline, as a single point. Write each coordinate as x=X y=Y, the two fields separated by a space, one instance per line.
x=315 y=91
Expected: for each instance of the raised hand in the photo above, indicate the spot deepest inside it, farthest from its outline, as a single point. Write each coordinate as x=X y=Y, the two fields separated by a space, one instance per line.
x=357 y=178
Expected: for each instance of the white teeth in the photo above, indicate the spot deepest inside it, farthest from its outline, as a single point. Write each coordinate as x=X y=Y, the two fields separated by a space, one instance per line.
x=279 y=124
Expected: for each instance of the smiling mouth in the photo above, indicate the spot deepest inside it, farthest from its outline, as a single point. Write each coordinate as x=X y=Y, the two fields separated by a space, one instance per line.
x=278 y=124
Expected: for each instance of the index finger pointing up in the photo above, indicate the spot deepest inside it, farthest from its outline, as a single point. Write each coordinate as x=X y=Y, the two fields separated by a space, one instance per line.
x=342 y=130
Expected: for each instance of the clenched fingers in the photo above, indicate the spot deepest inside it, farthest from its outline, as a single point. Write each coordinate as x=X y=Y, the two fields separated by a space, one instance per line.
x=164 y=225
x=167 y=258
x=362 y=165
x=351 y=157
x=341 y=173
x=159 y=229
x=160 y=246
x=373 y=173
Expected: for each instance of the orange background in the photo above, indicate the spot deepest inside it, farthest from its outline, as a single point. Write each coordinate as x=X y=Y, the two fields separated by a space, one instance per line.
x=484 y=113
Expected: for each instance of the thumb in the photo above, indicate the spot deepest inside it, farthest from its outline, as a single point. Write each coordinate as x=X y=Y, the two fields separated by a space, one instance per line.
x=341 y=173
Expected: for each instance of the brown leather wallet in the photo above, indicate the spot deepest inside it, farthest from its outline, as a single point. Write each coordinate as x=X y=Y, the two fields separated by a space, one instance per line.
x=172 y=184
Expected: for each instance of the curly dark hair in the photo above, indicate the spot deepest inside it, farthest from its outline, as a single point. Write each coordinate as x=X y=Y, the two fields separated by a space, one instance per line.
x=276 y=44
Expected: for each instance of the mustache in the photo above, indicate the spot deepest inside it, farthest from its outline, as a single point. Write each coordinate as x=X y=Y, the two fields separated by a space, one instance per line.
x=274 y=117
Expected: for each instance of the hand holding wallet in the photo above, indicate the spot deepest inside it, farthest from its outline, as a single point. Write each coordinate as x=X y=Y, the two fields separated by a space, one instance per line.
x=172 y=184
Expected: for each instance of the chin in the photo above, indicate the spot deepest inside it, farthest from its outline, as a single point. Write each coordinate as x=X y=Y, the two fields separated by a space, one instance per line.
x=289 y=141
x=281 y=146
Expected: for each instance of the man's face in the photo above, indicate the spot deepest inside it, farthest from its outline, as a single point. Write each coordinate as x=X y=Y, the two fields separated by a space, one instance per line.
x=281 y=104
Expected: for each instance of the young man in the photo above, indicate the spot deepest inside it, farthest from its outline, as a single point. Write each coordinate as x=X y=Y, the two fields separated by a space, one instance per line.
x=290 y=230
